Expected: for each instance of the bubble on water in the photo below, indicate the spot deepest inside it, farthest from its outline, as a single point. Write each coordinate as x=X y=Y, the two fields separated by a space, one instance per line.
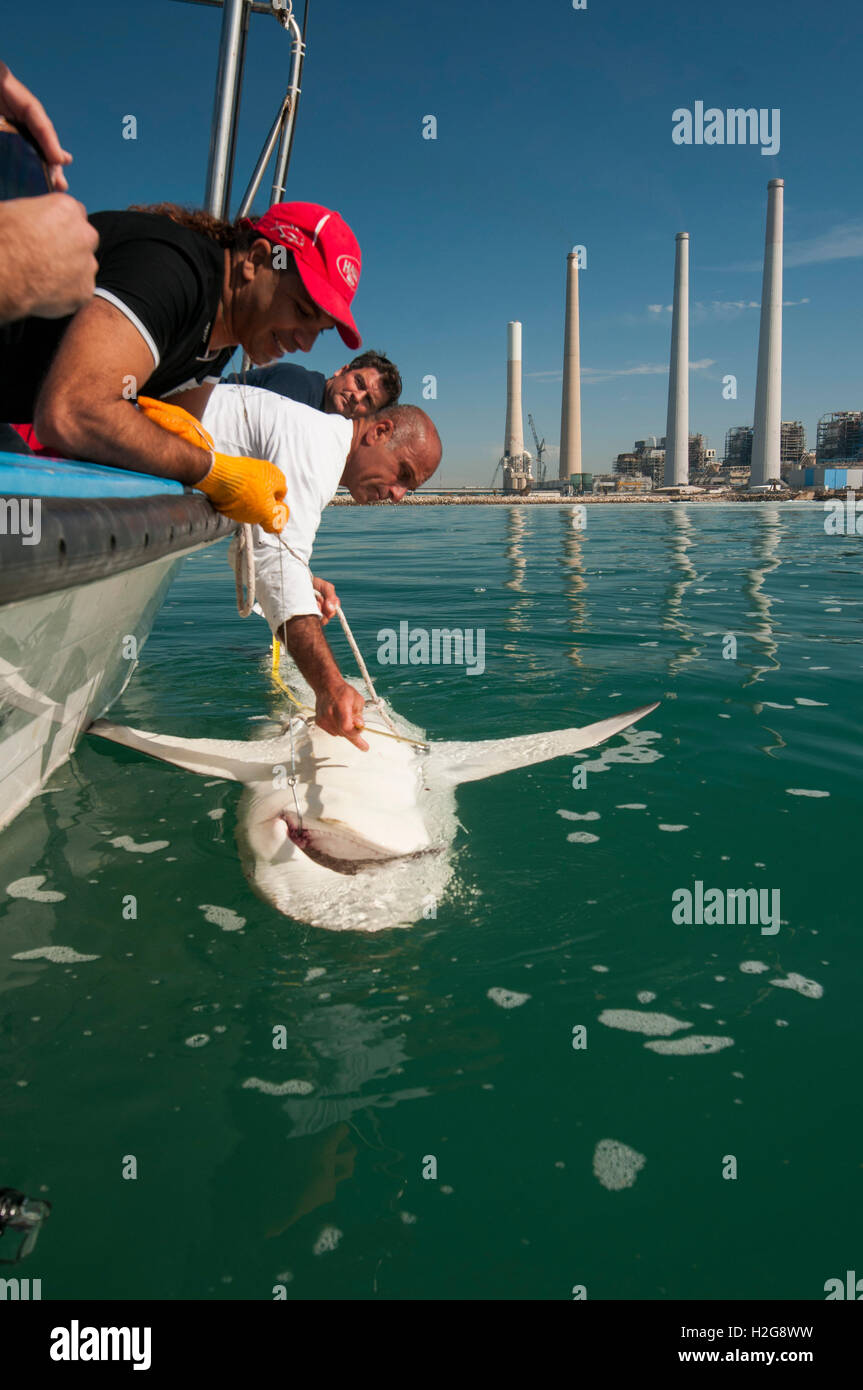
x=753 y=967
x=217 y=814
x=616 y=1165
x=674 y=827
x=280 y=1088
x=635 y=749
x=31 y=888
x=506 y=998
x=645 y=996
x=632 y=806
x=579 y=815
x=327 y=1240
x=408 y=1218
x=315 y=972
x=810 y=989
x=223 y=917
x=600 y=969
x=814 y=704
x=582 y=837
x=286 y=1277
x=198 y=1040
x=446 y=1189
x=694 y=1044
x=148 y=847
x=769 y=704
x=636 y=1021
x=803 y=791
x=60 y=955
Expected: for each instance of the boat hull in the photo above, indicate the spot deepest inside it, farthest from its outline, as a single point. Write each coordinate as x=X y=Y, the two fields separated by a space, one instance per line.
x=64 y=658
x=78 y=597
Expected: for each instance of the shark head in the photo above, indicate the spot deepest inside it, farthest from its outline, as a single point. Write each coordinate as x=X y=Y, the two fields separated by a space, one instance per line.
x=329 y=832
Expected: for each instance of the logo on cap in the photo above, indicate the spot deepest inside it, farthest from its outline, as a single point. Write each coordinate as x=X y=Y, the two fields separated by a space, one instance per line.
x=349 y=270
x=292 y=236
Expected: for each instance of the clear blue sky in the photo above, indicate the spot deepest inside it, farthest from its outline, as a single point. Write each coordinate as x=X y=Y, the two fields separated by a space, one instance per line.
x=554 y=129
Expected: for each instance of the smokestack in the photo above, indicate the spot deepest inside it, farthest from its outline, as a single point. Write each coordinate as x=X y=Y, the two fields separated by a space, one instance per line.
x=677 y=428
x=514 y=441
x=766 y=437
x=570 y=413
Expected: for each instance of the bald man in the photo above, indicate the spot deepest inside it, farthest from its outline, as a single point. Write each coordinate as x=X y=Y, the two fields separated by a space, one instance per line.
x=378 y=458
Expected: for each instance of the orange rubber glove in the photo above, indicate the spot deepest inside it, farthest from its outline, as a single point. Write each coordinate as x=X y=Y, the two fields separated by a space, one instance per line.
x=245 y=489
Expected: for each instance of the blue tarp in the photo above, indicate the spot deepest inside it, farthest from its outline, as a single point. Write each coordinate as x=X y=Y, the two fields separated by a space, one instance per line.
x=24 y=475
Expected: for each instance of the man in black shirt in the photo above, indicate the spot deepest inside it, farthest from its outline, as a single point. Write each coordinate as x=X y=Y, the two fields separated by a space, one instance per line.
x=176 y=292
x=368 y=383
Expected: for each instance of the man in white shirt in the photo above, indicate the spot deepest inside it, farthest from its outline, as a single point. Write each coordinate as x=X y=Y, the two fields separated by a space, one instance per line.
x=377 y=458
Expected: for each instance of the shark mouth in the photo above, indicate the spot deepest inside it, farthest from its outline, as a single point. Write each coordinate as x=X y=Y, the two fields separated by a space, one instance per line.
x=303 y=841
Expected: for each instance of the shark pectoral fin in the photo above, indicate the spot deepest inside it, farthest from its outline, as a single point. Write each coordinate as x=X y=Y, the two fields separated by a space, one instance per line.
x=211 y=757
x=454 y=763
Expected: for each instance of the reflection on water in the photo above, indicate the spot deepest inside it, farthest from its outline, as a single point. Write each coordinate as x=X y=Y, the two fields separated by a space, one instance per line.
x=517 y=534
x=572 y=559
x=769 y=532
x=679 y=541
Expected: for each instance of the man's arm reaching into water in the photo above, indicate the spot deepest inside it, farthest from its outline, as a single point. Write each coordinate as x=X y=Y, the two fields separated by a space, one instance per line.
x=339 y=707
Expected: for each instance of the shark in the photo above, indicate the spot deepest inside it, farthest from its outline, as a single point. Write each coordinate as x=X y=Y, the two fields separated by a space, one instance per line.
x=343 y=839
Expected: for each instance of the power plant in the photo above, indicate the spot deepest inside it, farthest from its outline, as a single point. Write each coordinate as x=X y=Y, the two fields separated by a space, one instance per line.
x=677 y=428
x=766 y=436
x=570 y=412
x=517 y=476
x=765 y=451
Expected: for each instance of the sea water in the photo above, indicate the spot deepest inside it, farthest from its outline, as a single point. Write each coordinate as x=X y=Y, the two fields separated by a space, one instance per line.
x=548 y=1084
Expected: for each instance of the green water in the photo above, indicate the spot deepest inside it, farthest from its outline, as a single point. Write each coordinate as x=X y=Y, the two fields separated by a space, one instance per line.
x=405 y=1056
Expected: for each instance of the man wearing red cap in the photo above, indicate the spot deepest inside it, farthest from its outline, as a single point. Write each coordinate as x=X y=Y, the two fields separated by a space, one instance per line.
x=176 y=293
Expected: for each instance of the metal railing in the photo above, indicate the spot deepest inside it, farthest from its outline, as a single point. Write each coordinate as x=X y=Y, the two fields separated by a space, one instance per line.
x=226 y=107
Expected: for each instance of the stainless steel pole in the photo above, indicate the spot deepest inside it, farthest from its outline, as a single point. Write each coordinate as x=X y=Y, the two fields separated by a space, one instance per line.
x=227 y=95
x=293 y=97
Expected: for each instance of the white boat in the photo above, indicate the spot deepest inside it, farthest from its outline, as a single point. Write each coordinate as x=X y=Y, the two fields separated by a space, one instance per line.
x=79 y=593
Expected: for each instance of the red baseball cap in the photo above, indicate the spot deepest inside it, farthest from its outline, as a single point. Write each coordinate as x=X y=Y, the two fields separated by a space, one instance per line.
x=327 y=256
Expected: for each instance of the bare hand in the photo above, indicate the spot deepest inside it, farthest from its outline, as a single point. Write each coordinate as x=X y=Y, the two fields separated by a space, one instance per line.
x=48 y=266
x=18 y=104
x=339 y=711
x=328 y=599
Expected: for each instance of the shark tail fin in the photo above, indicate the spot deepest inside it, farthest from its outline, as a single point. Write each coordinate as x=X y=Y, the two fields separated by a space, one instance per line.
x=454 y=763
x=211 y=757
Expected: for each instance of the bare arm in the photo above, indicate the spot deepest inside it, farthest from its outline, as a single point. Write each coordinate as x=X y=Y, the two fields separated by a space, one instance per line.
x=81 y=410
x=48 y=267
x=339 y=708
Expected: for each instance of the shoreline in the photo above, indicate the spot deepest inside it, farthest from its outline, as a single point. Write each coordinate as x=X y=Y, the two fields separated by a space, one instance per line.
x=429 y=500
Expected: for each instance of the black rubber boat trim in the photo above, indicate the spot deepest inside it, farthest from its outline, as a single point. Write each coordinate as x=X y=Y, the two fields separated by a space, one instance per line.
x=87 y=539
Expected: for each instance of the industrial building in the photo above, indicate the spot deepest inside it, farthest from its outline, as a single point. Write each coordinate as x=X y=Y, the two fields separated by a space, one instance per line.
x=792 y=445
x=840 y=438
x=738 y=448
x=646 y=459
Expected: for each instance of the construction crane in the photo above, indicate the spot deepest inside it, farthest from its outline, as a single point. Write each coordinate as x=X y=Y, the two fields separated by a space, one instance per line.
x=540 y=450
